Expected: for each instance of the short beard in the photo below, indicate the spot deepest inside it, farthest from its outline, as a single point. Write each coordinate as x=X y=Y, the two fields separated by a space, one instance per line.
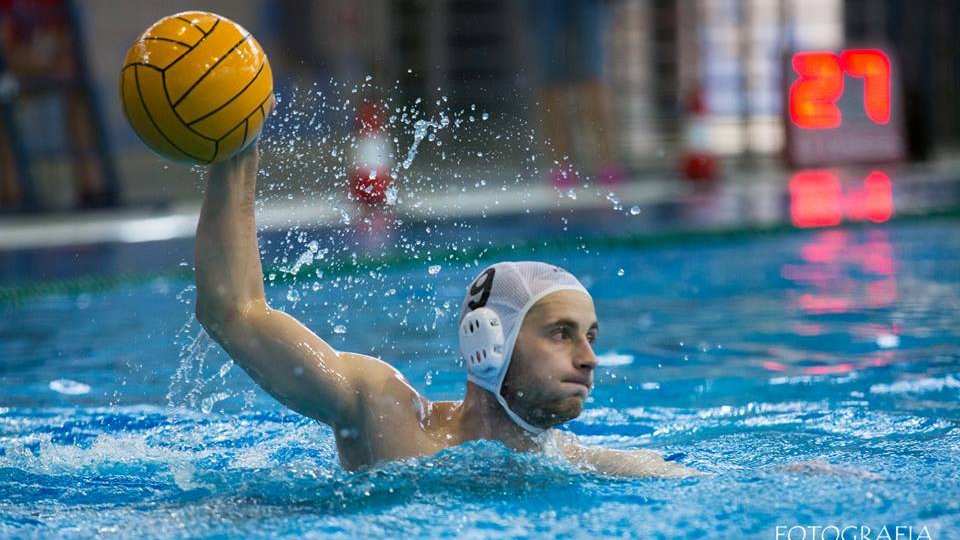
x=549 y=414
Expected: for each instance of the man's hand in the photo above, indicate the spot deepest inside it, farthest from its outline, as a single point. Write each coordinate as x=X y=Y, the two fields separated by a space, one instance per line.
x=243 y=164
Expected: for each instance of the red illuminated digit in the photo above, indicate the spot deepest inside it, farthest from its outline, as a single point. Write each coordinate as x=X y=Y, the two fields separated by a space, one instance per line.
x=878 y=197
x=874 y=67
x=813 y=96
x=815 y=199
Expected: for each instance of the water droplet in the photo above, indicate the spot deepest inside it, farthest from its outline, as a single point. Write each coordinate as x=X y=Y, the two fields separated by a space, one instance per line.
x=634 y=210
x=339 y=329
x=612 y=197
x=620 y=272
x=293 y=295
x=206 y=405
x=485 y=116
x=434 y=270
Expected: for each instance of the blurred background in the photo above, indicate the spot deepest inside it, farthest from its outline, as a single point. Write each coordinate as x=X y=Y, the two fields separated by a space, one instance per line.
x=617 y=91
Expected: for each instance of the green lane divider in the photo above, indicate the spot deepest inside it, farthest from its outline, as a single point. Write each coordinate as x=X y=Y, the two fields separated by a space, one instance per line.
x=20 y=292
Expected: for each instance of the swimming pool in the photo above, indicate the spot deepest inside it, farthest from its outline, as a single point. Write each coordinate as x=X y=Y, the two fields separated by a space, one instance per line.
x=743 y=355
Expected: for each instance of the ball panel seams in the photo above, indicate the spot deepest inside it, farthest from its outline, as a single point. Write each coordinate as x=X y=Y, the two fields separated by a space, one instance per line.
x=202 y=20
x=154 y=53
x=165 y=118
x=224 y=119
x=223 y=82
x=186 y=71
x=176 y=30
x=137 y=114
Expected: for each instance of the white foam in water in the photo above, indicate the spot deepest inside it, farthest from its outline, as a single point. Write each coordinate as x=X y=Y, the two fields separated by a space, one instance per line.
x=614 y=358
x=69 y=388
x=888 y=341
x=917 y=386
x=184 y=476
x=105 y=452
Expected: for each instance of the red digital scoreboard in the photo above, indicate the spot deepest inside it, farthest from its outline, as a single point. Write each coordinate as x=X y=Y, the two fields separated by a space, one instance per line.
x=842 y=107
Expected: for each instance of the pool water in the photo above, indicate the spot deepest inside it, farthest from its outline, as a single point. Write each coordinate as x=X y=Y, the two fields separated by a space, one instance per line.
x=836 y=348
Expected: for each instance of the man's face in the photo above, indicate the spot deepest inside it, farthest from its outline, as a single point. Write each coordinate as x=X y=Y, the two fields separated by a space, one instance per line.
x=551 y=372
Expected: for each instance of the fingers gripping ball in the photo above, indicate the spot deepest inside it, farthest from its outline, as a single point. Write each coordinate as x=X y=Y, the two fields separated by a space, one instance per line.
x=196 y=87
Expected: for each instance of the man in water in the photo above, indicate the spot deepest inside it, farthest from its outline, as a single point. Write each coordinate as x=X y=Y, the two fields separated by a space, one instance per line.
x=526 y=333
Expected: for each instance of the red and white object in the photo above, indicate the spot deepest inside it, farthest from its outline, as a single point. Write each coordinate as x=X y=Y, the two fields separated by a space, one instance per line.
x=371 y=177
x=697 y=160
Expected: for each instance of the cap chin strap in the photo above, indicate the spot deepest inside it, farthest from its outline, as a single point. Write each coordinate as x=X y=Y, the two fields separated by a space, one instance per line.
x=482 y=346
x=527 y=426
x=516 y=418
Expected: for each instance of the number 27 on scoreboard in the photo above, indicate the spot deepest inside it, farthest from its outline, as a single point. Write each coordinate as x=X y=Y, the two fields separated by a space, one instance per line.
x=814 y=95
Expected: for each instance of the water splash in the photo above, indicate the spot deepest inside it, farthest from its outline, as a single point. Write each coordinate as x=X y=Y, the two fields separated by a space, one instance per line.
x=192 y=386
x=420 y=130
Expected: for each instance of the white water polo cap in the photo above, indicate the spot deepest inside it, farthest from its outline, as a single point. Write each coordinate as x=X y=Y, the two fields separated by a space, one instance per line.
x=491 y=315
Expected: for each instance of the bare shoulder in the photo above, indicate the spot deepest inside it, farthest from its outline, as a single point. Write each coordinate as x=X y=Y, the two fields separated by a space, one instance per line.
x=382 y=385
x=372 y=373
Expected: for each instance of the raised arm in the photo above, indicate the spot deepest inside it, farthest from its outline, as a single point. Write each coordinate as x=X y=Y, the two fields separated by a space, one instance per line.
x=288 y=360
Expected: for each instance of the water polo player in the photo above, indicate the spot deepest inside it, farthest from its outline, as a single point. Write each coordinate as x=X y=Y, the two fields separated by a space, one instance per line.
x=526 y=334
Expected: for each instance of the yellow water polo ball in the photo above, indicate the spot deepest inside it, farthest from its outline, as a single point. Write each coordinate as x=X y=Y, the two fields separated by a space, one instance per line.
x=196 y=87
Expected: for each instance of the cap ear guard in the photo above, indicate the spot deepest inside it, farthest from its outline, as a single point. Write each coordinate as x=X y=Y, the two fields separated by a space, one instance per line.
x=482 y=342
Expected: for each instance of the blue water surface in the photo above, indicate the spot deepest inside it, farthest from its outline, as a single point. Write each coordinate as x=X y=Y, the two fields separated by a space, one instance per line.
x=838 y=350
